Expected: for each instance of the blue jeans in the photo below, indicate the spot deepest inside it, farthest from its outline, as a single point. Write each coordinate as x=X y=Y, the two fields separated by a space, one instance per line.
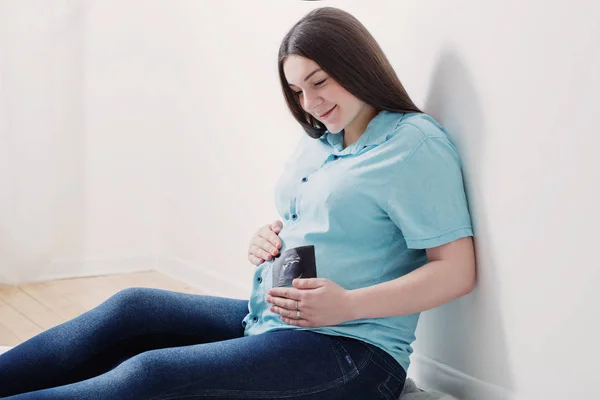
x=156 y=344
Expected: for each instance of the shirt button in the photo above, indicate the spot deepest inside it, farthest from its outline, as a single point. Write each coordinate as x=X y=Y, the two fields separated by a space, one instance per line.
x=255 y=319
x=244 y=324
x=294 y=217
x=336 y=157
x=305 y=179
x=259 y=279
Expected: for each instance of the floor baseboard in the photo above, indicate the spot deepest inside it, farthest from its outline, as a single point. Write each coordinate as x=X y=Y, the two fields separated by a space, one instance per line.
x=433 y=375
x=82 y=268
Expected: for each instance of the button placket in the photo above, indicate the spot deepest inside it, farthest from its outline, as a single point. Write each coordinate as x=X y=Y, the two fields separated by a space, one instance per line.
x=293 y=211
x=328 y=160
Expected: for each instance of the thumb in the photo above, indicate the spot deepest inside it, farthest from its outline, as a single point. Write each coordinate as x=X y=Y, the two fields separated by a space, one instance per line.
x=276 y=226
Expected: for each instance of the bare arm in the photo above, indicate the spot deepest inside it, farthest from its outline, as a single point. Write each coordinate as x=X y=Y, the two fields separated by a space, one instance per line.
x=449 y=274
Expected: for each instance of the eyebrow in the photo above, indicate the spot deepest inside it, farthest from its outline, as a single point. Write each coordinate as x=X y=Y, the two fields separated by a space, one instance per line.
x=308 y=76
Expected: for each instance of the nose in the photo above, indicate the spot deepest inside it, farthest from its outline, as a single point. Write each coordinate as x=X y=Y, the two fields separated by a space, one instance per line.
x=310 y=102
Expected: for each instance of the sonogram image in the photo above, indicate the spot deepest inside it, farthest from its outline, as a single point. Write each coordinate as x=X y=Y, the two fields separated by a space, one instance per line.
x=298 y=262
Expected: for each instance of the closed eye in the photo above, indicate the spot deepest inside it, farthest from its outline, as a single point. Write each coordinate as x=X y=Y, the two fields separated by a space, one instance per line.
x=316 y=84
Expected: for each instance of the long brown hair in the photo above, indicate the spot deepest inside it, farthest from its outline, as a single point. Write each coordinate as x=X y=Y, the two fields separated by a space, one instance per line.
x=344 y=49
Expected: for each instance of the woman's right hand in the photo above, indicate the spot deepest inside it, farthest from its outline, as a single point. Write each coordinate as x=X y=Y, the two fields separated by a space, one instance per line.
x=265 y=243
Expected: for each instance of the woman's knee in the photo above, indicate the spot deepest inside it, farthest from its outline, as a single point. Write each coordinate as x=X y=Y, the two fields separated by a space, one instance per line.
x=148 y=368
x=132 y=298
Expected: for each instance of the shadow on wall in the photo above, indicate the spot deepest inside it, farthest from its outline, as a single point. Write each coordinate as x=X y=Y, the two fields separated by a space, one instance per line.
x=468 y=333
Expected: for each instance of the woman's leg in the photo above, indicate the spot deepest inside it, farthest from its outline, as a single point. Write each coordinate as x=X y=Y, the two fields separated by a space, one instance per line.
x=290 y=364
x=130 y=322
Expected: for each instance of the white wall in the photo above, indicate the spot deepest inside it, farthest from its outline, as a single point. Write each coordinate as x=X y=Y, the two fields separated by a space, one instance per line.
x=232 y=136
x=77 y=168
x=160 y=129
x=41 y=141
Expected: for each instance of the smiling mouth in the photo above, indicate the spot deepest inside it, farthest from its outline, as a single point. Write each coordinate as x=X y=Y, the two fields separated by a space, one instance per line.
x=328 y=112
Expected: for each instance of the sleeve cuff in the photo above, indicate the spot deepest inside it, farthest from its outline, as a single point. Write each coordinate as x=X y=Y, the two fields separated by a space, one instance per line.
x=439 y=240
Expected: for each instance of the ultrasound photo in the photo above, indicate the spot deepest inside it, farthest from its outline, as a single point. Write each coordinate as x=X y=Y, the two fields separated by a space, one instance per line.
x=298 y=262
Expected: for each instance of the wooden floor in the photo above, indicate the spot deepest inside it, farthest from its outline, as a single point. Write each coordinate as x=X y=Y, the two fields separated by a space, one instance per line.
x=27 y=310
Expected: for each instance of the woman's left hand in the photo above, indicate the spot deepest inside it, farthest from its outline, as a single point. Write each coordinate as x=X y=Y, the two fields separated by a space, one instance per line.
x=321 y=302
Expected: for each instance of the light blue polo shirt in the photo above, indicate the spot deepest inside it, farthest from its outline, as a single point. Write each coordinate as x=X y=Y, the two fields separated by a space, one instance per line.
x=369 y=210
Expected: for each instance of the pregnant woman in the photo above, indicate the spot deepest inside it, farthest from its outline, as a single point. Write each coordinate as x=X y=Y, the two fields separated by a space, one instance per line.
x=374 y=190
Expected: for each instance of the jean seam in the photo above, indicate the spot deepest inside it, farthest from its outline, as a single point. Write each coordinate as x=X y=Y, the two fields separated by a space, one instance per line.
x=386 y=370
x=335 y=350
x=392 y=368
x=390 y=393
x=365 y=361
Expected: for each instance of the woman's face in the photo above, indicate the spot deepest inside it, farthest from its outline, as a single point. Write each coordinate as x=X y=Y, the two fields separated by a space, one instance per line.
x=320 y=94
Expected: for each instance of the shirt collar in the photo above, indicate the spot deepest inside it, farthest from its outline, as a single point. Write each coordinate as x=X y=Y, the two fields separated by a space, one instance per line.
x=374 y=134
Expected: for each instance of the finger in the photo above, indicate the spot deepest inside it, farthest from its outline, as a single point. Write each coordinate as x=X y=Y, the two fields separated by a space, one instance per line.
x=291 y=314
x=258 y=252
x=297 y=322
x=270 y=236
x=281 y=311
x=265 y=245
x=277 y=226
x=255 y=260
x=282 y=302
x=309 y=283
x=290 y=293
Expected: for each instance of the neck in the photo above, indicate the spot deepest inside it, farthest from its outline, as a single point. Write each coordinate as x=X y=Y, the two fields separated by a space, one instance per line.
x=357 y=127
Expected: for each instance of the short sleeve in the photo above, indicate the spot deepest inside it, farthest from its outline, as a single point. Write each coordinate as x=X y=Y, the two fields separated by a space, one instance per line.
x=427 y=199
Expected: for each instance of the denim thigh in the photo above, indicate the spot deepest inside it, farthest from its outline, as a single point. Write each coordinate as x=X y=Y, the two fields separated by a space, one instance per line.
x=129 y=323
x=217 y=362
x=290 y=364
